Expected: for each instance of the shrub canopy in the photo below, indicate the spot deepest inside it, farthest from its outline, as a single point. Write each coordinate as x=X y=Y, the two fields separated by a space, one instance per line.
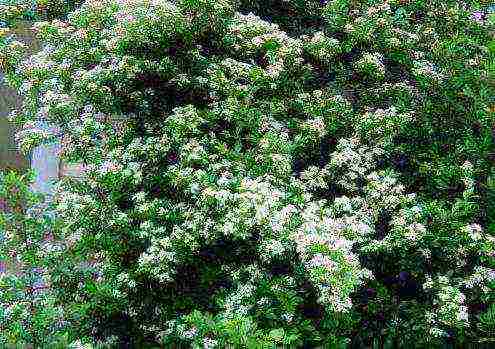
x=266 y=173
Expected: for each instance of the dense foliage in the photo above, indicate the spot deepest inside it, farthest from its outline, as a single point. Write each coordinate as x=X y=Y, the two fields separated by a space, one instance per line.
x=260 y=173
x=11 y=11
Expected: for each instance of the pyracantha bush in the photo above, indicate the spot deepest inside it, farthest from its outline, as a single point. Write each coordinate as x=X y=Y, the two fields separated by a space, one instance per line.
x=269 y=173
x=11 y=11
x=29 y=314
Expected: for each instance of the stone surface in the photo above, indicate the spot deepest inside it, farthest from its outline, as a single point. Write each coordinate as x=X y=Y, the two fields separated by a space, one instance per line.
x=10 y=157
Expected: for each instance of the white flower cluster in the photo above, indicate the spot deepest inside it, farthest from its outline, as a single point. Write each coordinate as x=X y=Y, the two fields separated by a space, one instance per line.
x=382 y=124
x=474 y=232
x=314 y=178
x=371 y=64
x=259 y=197
x=449 y=305
x=248 y=34
x=314 y=127
x=209 y=343
x=427 y=70
x=326 y=254
x=246 y=30
x=351 y=161
x=193 y=153
x=481 y=277
x=383 y=191
x=322 y=47
x=183 y=122
x=238 y=302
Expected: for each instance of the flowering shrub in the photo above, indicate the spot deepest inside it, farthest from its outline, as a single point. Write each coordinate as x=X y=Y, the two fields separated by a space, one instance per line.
x=29 y=312
x=282 y=173
x=11 y=11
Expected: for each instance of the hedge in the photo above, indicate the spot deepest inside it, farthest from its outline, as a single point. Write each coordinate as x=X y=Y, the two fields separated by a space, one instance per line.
x=286 y=174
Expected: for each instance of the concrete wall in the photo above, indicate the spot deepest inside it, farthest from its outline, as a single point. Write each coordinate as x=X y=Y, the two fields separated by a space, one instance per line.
x=44 y=159
x=10 y=157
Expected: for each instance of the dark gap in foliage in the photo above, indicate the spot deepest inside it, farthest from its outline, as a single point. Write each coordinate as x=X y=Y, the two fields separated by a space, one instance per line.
x=156 y=191
x=416 y=183
x=155 y=182
x=167 y=95
x=330 y=193
x=371 y=328
x=155 y=52
x=298 y=166
x=190 y=286
x=302 y=163
x=294 y=111
x=117 y=324
x=204 y=127
x=349 y=57
x=317 y=155
x=353 y=96
x=402 y=162
x=138 y=123
x=408 y=287
x=231 y=251
x=222 y=129
x=338 y=35
x=265 y=92
x=364 y=295
x=280 y=267
x=132 y=250
x=418 y=16
x=125 y=203
x=289 y=18
x=173 y=193
x=382 y=163
x=327 y=146
x=396 y=72
x=310 y=308
x=437 y=261
x=476 y=127
x=223 y=132
x=241 y=81
x=453 y=190
x=261 y=59
x=175 y=48
x=451 y=337
x=476 y=308
x=172 y=158
x=160 y=188
x=382 y=225
x=360 y=300
x=400 y=282
x=375 y=263
x=247 y=143
x=210 y=45
x=473 y=259
x=150 y=294
x=361 y=184
x=321 y=77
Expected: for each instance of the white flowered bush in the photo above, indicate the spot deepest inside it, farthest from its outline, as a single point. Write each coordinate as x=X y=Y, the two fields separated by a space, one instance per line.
x=258 y=174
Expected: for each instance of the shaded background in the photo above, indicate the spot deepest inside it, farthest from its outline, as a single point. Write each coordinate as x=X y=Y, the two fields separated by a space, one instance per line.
x=10 y=157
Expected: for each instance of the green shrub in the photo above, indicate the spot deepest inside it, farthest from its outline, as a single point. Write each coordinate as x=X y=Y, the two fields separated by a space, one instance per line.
x=283 y=173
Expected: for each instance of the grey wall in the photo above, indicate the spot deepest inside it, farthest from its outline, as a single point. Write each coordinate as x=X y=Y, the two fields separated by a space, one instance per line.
x=9 y=156
x=44 y=159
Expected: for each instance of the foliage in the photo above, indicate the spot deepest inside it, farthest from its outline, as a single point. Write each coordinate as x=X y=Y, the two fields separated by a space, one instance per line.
x=29 y=313
x=269 y=173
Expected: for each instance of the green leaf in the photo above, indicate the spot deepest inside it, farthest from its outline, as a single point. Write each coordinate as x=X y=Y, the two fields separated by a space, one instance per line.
x=277 y=334
x=491 y=46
